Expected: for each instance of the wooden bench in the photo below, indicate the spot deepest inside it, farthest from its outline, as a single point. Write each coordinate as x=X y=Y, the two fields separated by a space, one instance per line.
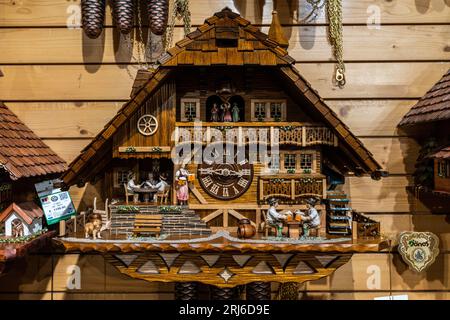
x=147 y=224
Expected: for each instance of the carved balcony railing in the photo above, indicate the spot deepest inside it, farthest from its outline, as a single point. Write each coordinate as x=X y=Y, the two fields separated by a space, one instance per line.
x=291 y=189
x=289 y=133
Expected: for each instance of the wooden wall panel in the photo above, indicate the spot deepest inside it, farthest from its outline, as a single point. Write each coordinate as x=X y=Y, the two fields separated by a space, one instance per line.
x=385 y=195
x=66 y=87
x=396 y=155
x=363 y=268
x=384 y=115
x=57 y=13
x=67 y=149
x=75 y=119
x=113 y=82
x=61 y=45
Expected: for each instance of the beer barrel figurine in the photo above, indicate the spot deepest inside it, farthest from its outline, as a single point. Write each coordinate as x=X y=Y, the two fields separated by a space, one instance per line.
x=123 y=14
x=92 y=17
x=158 y=13
x=245 y=229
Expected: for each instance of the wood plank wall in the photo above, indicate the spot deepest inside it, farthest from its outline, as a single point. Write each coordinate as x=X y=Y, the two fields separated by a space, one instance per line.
x=66 y=87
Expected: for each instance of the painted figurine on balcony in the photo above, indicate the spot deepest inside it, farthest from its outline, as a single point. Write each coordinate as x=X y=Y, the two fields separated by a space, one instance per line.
x=235 y=112
x=311 y=218
x=275 y=218
x=181 y=177
x=227 y=112
x=215 y=113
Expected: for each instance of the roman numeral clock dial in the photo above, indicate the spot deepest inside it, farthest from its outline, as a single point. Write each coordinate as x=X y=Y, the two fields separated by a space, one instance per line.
x=225 y=181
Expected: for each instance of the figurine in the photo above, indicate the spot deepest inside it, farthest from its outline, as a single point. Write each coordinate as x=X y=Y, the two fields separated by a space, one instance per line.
x=17 y=228
x=181 y=177
x=131 y=184
x=93 y=227
x=161 y=186
x=215 y=113
x=235 y=112
x=275 y=218
x=311 y=218
x=226 y=112
x=16 y=221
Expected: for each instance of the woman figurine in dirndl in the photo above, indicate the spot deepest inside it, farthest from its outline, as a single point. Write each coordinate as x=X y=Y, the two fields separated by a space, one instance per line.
x=227 y=112
x=181 y=177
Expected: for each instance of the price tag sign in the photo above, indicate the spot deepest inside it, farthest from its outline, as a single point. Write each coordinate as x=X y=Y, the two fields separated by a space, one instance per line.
x=57 y=204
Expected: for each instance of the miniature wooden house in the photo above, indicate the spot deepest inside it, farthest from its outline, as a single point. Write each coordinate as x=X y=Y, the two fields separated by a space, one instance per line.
x=226 y=82
x=429 y=122
x=23 y=219
x=24 y=160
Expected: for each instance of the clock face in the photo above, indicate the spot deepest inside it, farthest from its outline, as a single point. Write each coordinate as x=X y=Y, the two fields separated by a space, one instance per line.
x=225 y=181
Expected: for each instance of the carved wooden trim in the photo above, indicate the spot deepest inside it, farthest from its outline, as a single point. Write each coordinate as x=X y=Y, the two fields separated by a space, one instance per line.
x=227 y=270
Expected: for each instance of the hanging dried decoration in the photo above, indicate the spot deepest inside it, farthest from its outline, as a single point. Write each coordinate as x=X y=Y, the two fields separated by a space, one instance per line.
x=92 y=17
x=180 y=12
x=158 y=13
x=123 y=13
x=334 y=13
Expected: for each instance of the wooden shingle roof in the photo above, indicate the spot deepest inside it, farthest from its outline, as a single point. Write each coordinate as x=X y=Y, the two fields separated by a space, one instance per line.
x=200 y=48
x=443 y=153
x=433 y=106
x=22 y=153
x=203 y=48
x=28 y=211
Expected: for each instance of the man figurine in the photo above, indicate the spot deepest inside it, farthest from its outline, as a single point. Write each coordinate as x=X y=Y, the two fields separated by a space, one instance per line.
x=132 y=186
x=311 y=218
x=215 y=113
x=162 y=186
x=275 y=218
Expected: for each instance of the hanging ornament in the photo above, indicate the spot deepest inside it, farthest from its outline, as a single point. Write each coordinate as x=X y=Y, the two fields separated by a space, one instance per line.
x=123 y=13
x=92 y=17
x=316 y=6
x=334 y=13
x=158 y=13
x=180 y=12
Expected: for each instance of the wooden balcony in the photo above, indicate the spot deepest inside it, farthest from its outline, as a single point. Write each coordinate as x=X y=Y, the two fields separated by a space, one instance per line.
x=291 y=188
x=286 y=133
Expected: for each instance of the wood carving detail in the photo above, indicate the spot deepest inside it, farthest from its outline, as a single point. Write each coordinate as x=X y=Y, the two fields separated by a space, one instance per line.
x=228 y=270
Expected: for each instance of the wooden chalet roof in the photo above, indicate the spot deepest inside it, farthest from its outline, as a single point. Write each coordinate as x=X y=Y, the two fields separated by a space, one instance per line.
x=28 y=211
x=433 y=106
x=201 y=48
x=22 y=153
x=443 y=153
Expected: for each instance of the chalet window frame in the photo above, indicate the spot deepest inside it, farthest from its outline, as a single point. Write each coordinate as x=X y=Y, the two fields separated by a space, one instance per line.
x=268 y=114
x=116 y=172
x=443 y=169
x=183 y=102
x=298 y=154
